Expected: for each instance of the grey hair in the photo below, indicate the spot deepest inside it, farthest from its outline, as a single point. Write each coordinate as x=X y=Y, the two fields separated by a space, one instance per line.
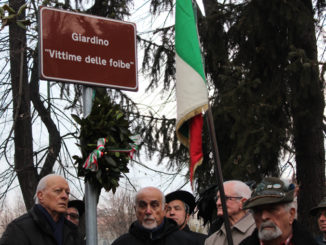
x=287 y=206
x=42 y=185
x=150 y=187
x=293 y=204
x=240 y=188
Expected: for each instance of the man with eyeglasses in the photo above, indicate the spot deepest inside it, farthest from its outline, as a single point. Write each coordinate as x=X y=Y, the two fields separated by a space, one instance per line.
x=241 y=221
x=76 y=209
x=274 y=211
x=45 y=222
x=180 y=205
x=152 y=227
x=72 y=215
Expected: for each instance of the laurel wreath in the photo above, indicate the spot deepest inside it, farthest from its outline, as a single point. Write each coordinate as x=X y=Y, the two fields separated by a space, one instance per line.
x=106 y=120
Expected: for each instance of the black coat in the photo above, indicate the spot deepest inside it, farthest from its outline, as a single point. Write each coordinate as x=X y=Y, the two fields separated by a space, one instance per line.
x=300 y=237
x=169 y=234
x=32 y=228
x=199 y=237
x=320 y=240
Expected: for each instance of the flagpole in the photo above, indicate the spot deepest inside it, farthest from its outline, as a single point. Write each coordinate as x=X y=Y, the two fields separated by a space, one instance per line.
x=192 y=96
x=218 y=173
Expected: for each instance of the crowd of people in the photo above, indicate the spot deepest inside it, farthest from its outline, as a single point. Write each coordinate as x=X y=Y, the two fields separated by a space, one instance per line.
x=263 y=216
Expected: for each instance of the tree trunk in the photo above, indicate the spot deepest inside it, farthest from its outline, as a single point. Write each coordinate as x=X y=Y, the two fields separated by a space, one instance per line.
x=308 y=125
x=27 y=174
x=44 y=113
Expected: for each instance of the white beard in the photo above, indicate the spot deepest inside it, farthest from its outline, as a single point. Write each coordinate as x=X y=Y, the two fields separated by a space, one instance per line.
x=149 y=222
x=269 y=234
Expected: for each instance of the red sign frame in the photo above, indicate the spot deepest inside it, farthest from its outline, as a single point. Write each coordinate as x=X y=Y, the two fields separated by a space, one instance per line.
x=87 y=49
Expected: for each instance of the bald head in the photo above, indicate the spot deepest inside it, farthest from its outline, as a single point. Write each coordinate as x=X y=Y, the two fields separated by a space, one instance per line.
x=150 y=190
x=52 y=193
x=44 y=182
x=150 y=207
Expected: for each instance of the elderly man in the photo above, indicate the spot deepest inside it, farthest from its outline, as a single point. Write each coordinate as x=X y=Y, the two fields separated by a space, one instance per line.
x=241 y=221
x=45 y=222
x=320 y=213
x=274 y=213
x=151 y=226
x=180 y=205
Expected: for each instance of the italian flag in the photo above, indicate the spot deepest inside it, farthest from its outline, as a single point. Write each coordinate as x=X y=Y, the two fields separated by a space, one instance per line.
x=191 y=90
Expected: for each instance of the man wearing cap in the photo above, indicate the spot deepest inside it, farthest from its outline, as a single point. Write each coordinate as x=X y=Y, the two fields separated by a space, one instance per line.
x=274 y=210
x=151 y=226
x=241 y=221
x=320 y=213
x=180 y=205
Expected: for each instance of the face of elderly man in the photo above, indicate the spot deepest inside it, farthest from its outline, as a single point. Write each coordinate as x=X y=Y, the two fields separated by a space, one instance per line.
x=274 y=221
x=234 y=203
x=54 y=196
x=150 y=210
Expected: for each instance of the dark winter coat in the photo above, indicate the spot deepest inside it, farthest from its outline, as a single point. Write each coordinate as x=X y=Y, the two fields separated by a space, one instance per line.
x=300 y=237
x=320 y=240
x=33 y=228
x=168 y=234
x=199 y=237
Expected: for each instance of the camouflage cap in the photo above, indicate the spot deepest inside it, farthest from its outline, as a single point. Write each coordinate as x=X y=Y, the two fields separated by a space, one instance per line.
x=322 y=205
x=271 y=190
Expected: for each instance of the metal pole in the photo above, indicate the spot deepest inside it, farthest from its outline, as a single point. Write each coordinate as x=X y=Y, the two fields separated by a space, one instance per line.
x=218 y=173
x=90 y=193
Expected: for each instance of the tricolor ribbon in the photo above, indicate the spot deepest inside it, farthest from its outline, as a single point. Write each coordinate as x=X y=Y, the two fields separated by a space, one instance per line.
x=133 y=146
x=91 y=162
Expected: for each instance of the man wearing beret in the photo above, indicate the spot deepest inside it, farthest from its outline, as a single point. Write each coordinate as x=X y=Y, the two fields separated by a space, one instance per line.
x=180 y=205
x=274 y=212
x=320 y=212
x=241 y=221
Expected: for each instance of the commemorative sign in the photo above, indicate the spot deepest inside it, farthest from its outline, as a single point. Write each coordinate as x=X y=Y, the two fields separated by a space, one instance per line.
x=87 y=49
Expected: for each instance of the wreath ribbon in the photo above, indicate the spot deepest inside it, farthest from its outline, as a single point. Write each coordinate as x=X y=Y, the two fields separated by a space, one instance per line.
x=133 y=146
x=91 y=162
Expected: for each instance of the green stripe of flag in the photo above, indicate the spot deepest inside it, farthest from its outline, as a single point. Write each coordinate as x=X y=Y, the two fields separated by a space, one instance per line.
x=186 y=36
